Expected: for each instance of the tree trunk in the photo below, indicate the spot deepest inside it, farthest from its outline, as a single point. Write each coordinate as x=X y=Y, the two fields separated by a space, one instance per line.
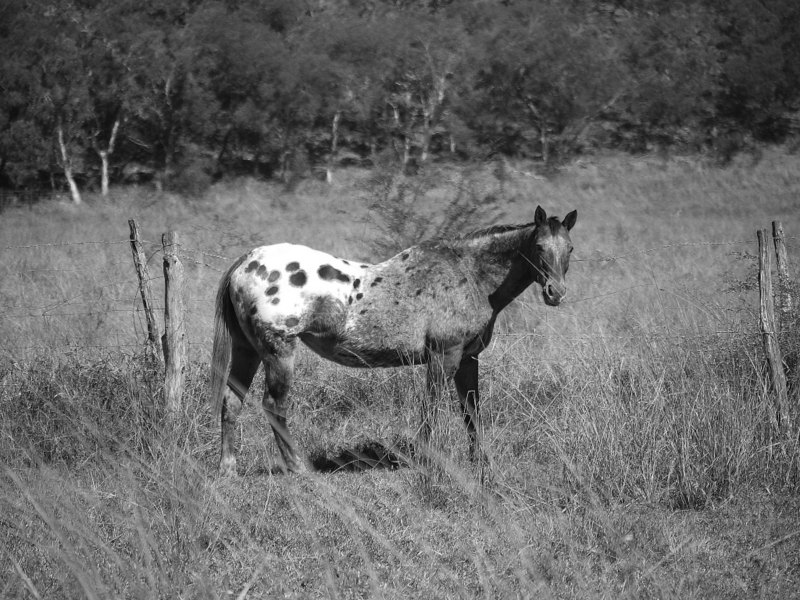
x=334 y=146
x=66 y=164
x=541 y=123
x=104 y=154
x=431 y=113
x=545 y=142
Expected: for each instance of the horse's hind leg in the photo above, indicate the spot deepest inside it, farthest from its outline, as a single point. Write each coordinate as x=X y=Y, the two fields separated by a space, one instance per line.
x=244 y=364
x=441 y=365
x=279 y=374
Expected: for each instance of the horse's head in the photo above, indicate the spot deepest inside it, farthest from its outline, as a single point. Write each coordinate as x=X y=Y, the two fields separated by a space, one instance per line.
x=550 y=257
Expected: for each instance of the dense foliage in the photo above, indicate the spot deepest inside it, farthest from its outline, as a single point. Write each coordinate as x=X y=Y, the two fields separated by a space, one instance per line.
x=112 y=90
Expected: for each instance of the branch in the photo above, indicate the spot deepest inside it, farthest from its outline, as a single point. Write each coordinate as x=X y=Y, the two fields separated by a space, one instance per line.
x=113 y=139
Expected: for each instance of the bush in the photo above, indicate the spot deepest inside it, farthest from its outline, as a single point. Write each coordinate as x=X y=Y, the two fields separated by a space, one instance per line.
x=408 y=210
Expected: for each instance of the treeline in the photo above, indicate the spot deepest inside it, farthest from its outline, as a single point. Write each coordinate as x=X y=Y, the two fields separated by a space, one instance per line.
x=185 y=91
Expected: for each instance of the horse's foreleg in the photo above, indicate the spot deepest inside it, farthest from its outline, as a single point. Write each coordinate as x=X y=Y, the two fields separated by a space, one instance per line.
x=466 y=380
x=279 y=376
x=244 y=364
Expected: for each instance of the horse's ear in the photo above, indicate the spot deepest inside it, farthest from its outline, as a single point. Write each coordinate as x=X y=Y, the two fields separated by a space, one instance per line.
x=569 y=220
x=540 y=216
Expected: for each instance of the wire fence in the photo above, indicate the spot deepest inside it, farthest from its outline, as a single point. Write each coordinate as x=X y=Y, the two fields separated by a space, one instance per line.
x=58 y=307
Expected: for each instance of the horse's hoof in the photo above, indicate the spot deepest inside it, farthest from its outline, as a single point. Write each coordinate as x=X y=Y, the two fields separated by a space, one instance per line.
x=297 y=467
x=227 y=468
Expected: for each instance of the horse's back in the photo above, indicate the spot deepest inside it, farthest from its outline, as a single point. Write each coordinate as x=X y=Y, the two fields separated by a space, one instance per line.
x=358 y=314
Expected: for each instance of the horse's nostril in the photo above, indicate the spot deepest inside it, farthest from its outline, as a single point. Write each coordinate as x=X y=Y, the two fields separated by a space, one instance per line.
x=554 y=292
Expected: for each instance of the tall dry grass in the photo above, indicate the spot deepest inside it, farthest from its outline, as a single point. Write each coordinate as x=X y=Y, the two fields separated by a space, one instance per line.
x=645 y=394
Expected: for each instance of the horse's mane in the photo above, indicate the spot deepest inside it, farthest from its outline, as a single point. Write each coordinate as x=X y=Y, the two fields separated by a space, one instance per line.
x=553 y=222
x=493 y=230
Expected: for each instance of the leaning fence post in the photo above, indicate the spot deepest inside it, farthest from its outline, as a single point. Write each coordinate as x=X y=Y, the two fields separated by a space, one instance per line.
x=174 y=316
x=768 y=331
x=139 y=261
x=785 y=305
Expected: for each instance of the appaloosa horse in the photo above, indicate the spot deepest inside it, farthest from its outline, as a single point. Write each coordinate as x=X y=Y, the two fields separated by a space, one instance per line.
x=434 y=304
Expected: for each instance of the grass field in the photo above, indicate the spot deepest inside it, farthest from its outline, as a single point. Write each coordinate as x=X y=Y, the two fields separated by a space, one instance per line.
x=629 y=429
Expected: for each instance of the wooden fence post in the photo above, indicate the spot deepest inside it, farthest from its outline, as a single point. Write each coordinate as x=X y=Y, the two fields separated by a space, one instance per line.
x=174 y=316
x=786 y=303
x=140 y=262
x=768 y=331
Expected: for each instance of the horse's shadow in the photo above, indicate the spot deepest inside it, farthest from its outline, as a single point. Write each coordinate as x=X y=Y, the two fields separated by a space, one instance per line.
x=366 y=456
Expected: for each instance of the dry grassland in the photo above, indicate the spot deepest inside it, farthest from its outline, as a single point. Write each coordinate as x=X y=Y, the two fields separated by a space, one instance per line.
x=629 y=429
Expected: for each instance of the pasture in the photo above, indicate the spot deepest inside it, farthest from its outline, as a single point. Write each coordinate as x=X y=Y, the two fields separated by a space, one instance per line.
x=628 y=429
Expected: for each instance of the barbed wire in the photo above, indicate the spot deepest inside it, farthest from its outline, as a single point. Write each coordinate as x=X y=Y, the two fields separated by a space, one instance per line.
x=186 y=250
x=658 y=249
x=77 y=314
x=189 y=255
x=62 y=244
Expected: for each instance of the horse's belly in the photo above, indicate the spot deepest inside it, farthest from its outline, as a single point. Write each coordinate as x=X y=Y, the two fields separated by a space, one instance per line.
x=353 y=353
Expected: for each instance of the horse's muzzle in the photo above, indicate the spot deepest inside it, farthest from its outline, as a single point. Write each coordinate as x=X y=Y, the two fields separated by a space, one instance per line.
x=553 y=292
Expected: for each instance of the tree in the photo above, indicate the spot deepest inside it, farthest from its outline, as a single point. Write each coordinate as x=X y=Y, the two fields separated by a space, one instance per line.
x=107 y=61
x=760 y=64
x=45 y=40
x=673 y=62
x=25 y=150
x=544 y=76
x=257 y=84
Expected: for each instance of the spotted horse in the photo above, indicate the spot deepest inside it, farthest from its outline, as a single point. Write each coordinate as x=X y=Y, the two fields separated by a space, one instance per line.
x=435 y=304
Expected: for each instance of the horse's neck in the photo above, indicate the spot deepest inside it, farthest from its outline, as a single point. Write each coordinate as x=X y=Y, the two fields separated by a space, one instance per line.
x=517 y=279
x=502 y=269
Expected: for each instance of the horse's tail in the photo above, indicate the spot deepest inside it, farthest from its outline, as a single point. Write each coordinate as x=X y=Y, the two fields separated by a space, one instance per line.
x=224 y=318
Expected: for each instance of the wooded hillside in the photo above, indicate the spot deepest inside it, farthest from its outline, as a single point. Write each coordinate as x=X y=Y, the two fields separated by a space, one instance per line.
x=185 y=92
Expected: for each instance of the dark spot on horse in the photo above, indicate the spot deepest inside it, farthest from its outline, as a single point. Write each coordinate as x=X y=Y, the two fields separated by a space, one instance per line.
x=404 y=256
x=347 y=262
x=397 y=302
x=398 y=282
x=365 y=266
x=328 y=272
x=252 y=266
x=376 y=281
x=275 y=300
x=356 y=283
x=409 y=269
x=274 y=276
x=359 y=296
x=462 y=281
x=262 y=272
x=361 y=312
x=298 y=279
x=350 y=300
x=447 y=288
x=292 y=321
x=272 y=290
x=419 y=291
x=253 y=309
x=293 y=266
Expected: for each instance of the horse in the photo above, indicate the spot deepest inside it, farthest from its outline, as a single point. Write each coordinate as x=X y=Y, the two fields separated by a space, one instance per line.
x=435 y=304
